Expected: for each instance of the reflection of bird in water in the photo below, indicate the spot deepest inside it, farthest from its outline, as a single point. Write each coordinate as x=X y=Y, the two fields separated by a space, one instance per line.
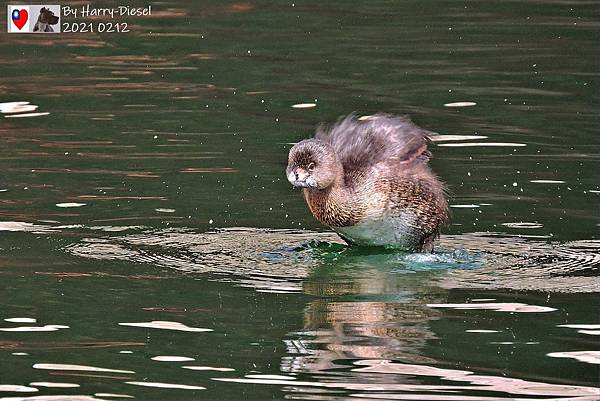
x=340 y=326
x=366 y=329
x=368 y=179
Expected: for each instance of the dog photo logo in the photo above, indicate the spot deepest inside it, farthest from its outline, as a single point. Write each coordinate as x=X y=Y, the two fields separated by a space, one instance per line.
x=34 y=19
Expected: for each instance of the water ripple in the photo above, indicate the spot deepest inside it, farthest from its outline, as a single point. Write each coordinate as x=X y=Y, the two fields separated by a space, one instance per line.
x=280 y=260
x=362 y=379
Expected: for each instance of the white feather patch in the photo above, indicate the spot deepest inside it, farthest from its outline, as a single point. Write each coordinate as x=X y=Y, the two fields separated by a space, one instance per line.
x=397 y=232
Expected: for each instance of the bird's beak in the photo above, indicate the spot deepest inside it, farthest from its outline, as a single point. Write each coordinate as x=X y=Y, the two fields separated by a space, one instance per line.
x=297 y=177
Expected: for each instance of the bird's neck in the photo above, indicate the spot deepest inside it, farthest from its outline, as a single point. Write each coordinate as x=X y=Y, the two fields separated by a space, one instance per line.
x=333 y=206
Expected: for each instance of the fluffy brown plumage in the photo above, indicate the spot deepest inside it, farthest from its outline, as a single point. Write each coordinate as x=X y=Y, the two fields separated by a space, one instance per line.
x=368 y=179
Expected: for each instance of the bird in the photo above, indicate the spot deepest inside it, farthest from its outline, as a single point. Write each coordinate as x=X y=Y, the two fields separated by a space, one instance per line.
x=368 y=179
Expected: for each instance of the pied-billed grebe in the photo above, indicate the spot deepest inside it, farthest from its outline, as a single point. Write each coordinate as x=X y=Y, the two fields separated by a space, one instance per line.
x=368 y=179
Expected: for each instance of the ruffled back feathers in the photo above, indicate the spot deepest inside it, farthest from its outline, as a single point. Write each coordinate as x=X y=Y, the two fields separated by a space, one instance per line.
x=363 y=143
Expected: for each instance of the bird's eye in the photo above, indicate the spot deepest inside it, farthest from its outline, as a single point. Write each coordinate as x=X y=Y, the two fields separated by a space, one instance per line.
x=311 y=166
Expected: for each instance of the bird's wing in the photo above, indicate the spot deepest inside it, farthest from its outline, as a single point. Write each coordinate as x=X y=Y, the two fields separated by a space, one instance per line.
x=361 y=143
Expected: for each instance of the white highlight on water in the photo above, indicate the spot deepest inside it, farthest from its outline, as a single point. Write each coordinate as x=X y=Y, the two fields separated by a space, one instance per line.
x=48 y=327
x=271 y=377
x=17 y=389
x=491 y=144
x=83 y=368
x=70 y=204
x=444 y=138
x=592 y=357
x=167 y=385
x=166 y=325
x=581 y=326
x=460 y=104
x=26 y=115
x=304 y=105
x=589 y=329
x=547 y=181
x=20 y=320
x=168 y=358
x=17 y=107
x=21 y=226
x=54 y=384
x=208 y=368
x=523 y=225
x=498 y=307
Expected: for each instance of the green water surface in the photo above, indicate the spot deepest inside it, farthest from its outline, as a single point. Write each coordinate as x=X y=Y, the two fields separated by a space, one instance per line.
x=151 y=188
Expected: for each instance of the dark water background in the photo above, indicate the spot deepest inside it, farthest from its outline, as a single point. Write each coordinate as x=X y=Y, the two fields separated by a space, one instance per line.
x=152 y=188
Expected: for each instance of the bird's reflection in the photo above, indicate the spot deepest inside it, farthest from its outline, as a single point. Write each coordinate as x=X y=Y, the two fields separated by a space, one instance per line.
x=364 y=308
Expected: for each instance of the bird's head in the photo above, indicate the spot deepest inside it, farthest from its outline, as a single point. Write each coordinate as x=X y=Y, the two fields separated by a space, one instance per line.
x=312 y=163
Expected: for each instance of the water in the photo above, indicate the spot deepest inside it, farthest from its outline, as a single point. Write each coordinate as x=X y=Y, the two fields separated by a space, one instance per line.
x=151 y=247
